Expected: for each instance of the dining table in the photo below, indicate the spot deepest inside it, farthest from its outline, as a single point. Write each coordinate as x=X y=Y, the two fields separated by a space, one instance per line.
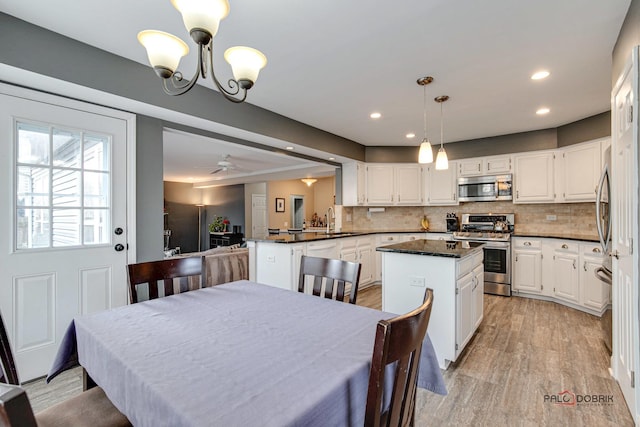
x=236 y=354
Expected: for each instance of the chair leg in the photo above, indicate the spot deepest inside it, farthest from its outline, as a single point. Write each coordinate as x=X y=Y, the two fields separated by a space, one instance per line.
x=87 y=381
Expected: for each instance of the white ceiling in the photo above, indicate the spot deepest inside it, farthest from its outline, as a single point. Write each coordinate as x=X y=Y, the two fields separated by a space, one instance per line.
x=332 y=63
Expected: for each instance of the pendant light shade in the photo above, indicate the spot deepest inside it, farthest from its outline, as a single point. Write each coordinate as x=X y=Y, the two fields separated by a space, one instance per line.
x=442 y=162
x=425 y=153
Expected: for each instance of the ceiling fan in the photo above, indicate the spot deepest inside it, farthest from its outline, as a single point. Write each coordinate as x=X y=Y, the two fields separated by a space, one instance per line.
x=224 y=165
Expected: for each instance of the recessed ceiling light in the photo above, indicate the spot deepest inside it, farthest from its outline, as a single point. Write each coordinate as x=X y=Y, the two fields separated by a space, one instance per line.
x=288 y=147
x=332 y=158
x=411 y=135
x=375 y=115
x=542 y=111
x=540 y=75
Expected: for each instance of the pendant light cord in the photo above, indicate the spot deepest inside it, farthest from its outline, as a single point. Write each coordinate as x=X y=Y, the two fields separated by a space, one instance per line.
x=424 y=110
x=441 y=129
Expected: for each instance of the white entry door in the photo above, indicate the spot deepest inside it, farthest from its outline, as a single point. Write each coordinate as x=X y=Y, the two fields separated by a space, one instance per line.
x=624 y=173
x=258 y=216
x=63 y=186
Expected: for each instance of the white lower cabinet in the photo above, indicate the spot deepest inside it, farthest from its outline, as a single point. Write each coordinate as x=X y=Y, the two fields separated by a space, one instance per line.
x=593 y=292
x=464 y=308
x=478 y=296
x=527 y=265
x=566 y=284
x=559 y=270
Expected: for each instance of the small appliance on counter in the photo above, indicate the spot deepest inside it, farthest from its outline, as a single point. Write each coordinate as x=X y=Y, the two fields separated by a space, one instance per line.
x=452 y=222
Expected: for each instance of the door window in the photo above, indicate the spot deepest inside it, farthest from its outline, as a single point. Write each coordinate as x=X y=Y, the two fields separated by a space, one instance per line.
x=63 y=187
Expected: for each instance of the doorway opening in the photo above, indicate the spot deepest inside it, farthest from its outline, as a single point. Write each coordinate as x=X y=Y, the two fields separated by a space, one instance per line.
x=297 y=211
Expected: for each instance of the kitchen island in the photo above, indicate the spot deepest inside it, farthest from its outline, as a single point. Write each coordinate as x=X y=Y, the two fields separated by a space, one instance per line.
x=455 y=272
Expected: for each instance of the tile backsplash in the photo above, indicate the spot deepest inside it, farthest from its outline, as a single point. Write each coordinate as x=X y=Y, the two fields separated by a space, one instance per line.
x=572 y=219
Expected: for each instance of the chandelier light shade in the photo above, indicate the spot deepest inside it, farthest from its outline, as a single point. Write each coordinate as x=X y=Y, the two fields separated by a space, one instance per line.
x=442 y=162
x=202 y=19
x=425 y=153
x=308 y=181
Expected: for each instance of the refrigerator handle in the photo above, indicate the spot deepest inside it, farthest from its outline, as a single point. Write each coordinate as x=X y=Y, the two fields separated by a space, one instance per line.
x=603 y=238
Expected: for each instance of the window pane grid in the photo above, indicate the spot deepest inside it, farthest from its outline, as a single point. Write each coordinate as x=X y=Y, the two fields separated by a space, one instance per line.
x=63 y=187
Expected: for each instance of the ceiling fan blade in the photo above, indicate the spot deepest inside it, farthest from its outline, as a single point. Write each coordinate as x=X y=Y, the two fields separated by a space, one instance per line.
x=216 y=171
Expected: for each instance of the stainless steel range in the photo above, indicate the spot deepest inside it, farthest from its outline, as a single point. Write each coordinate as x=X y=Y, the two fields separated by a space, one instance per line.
x=494 y=231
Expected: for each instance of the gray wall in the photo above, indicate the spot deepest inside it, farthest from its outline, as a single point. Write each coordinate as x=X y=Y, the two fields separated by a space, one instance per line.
x=594 y=127
x=628 y=37
x=149 y=215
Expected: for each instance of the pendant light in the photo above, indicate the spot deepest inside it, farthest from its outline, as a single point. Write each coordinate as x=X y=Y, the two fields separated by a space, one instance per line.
x=442 y=162
x=425 y=154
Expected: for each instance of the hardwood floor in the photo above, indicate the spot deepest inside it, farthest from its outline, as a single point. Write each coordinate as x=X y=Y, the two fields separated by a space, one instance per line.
x=524 y=350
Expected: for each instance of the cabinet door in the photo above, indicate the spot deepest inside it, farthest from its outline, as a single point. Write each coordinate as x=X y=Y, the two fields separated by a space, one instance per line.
x=566 y=284
x=380 y=188
x=470 y=167
x=464 y=311
x=594 y=293
x=498 y=164
x=527 y=271
x=534 y=180
x=442 y=185
x=478 y=296
x=353 y=184
x=361 y=182
x=365 y=256
x=581 y=172
x=296 y=254
x=408 y=184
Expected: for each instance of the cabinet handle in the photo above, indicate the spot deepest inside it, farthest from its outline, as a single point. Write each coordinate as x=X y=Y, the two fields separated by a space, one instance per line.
x=527 y=243
x=478 y=167
x=564 y=246
x=585 y=266
x=596 y=250
x=574 y=264
x=516 y=258
x=517 y=194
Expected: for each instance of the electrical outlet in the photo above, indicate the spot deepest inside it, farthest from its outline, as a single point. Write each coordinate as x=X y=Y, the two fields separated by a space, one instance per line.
x=271 y=258
x=417 y=281
x=551 y=217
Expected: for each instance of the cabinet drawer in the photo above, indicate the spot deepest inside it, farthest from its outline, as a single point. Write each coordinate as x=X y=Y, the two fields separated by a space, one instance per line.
x=566 y=246
x=593 y=250
x=466 y=265
x=524 y=243
x=388 y=239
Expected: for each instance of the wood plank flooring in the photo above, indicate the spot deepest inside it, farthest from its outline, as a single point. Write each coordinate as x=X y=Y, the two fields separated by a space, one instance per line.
x=524 y=349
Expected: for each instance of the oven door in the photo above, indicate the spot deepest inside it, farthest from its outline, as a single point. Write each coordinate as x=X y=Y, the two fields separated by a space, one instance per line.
x=497 y=262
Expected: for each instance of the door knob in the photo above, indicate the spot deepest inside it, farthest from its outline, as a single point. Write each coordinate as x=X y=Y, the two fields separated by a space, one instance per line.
x=118 y=231
x=119 y=247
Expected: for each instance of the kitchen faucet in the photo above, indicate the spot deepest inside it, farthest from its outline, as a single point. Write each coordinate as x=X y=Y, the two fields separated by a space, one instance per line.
x=333 y=215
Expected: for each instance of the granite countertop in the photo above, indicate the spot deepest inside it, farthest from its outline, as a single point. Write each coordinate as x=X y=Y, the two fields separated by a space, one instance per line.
x=565 y=236
x=442 y=248
x=285 y=237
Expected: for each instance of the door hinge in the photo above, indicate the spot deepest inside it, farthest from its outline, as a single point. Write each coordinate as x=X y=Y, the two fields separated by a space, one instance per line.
x=541 y=287
x=457 y=290
x=631 y=246
x=456 y=346
x=631 y=114
x=633 y=376
x=541 y=256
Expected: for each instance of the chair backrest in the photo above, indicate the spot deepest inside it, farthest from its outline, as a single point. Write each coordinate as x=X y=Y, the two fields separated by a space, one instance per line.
x=333 y=273
x=15 y=409
x=163 y=271
x=274 y=230
x=8 y=371
x=399 y=341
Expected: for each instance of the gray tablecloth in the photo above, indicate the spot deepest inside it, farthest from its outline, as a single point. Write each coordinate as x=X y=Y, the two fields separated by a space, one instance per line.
x=239 y=354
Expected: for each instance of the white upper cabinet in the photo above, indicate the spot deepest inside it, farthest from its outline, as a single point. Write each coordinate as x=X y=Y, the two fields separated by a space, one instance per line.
x=353 y=184
x=578 y=172
x=408 y=183
x=380 y=184
x=441 y=186
x=394 y=184
x=534 y=177
x=492 y=165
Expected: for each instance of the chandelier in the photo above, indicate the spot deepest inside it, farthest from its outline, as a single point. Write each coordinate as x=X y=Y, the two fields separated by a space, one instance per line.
x=201 y=18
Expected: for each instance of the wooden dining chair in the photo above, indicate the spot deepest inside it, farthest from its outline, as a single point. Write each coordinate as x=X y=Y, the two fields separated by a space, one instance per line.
x=162 y=273
x=91 y=408
x=398 y=341
x=333 y=273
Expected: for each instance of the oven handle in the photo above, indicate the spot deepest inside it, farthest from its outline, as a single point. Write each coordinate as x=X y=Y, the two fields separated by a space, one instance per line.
x=493 y=244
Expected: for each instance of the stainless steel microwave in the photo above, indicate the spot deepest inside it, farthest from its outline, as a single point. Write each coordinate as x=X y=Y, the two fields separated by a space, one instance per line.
x=485 y=188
